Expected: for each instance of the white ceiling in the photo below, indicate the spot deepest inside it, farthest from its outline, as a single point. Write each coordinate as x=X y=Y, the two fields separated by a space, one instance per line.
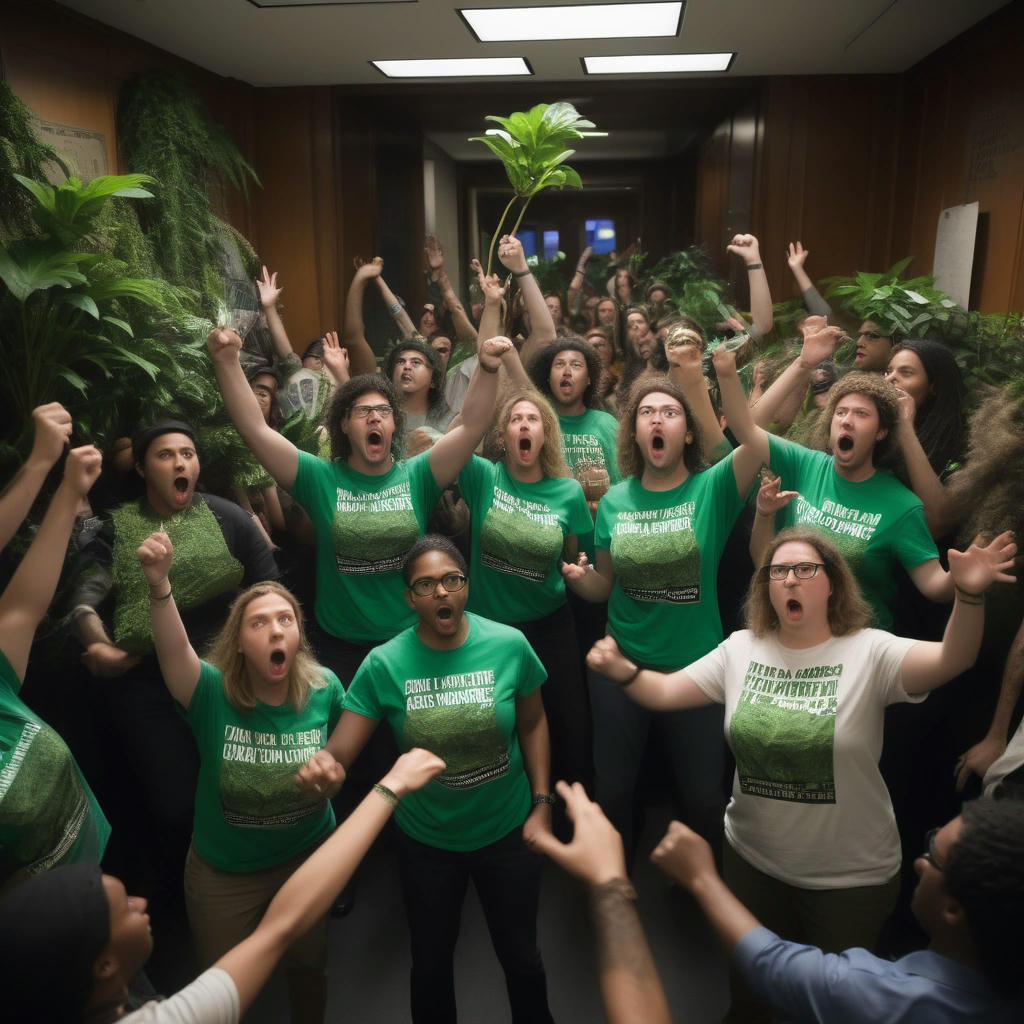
x=324 y=42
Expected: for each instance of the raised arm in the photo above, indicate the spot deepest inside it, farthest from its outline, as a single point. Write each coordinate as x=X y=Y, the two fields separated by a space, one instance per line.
x=434 y=255
x=983 y=754
x=270 y=292
x=312 y=888
x=542 y=326
x=687 y=859
x=770 y=499
x=52 y=428
x=631 y=989
x=927 y=664
x=30 y=591
x=658 y=691
x=452 y=451
x=512 y=369
x=179 y=663
x=753 y=452
x=686 y=369
x=747 y=248
x=576 y=284
x=275 y=452
x=819 y=344
x=939 y=510
x=353 y=330
x=796 y=256
x=395 y=308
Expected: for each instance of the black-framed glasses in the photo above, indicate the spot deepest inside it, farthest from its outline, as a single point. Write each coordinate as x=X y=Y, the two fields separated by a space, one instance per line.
x=801 y=570
x=452 y=582
x=930 y=853
x=360 y=412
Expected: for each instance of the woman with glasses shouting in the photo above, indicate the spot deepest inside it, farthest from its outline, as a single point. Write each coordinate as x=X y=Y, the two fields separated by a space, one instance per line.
x=811 y=840
x=468 y=690
x=368 y=505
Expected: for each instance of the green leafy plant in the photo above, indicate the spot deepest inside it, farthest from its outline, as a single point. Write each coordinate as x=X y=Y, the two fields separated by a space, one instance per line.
x=532 y=147
x=63 y=308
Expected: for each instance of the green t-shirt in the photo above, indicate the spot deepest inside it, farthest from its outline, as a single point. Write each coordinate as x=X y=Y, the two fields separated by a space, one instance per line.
x=588 y=444
x=48 y=814
x=665 y=547
x=364 y=527
x=461 y=705
x=517 y=533
x=875 y=523
x=249 y=814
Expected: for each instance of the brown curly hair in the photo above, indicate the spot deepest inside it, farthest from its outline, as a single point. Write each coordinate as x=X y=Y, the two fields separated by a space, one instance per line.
x=551 y=460
x=869 y=385
x=631 y=462
x=847 y=609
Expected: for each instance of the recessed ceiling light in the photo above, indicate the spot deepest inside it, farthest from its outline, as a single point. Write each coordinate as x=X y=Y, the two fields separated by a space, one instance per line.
x=586 y=21
x=657 y=63
x=454 y=67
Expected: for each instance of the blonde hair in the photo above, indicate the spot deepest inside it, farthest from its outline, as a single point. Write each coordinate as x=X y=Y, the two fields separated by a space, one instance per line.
x=223 y=653
x=847 y=609
x=551 y=460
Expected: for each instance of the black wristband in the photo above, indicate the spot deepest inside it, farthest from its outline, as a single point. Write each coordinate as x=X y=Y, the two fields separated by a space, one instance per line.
x=755 y=266
x=522 y=273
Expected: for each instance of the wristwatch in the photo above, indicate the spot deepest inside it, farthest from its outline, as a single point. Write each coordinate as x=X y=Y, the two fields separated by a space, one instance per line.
x=543 y=798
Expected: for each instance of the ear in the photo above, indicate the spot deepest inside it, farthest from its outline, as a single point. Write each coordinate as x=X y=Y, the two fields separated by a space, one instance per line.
x=688 y=439
x=105 y=965
x=953 y=913
x=408 y=598
x=882 y=433
x=140 y=470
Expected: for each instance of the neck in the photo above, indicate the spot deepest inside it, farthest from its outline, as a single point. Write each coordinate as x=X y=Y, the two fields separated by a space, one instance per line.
x=417 y=403
x=576 y=408
x=444 y=643
x=956 y=947
x=856 y=474
x=654 y=479
x=275 y=694
x=801 y=639
x=360 y=465
x=523 y=474
x=163 y=510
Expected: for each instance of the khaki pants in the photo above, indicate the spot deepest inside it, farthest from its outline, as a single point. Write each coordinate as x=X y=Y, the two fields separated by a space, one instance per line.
x=224 y=908
x=832 y=919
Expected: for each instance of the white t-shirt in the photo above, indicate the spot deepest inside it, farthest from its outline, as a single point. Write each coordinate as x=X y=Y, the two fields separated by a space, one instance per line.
x=809 y=806
x=211 y=999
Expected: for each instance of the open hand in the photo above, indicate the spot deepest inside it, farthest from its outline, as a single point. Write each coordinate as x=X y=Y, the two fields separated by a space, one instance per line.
x=981 y=565
x=433 y=252
x=796 y=255
x=769 y=498
x=269 y=291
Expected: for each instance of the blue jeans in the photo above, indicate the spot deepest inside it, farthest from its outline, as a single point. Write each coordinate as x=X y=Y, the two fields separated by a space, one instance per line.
x=507 y=880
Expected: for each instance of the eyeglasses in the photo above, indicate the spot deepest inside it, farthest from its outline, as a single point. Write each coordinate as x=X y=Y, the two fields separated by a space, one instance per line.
x=452 y=582
x=801 y=570
x=360 y=412
x=930 y=853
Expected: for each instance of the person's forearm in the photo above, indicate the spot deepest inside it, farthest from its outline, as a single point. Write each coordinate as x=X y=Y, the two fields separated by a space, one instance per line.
x=278 y=335
x=305 y=897
x=795 y=377
x=939 y=510
x=490 y=321
x=630 y=985
x=813 y=301
x=760 y=301
x=725 y=913
x=239 y=400
x=464 y=329
x=19 y=494
x=179 y=663
x=32 y=587
x=396 y=309
x=695 y=389
x=593 y=586
x=788 y=409
x=478 y=406
x=535 y=745
x=542 y=325
x=803 y=282
x=738 y=415
x=761 y=535
x=962 y=639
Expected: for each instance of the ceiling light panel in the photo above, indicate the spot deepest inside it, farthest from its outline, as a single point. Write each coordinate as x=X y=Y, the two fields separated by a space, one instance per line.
x=454 y=67
x=585 y=21
x=657 y=63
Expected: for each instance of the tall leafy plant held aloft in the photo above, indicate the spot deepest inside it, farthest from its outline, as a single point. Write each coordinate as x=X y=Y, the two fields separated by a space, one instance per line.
x=62 y=309
x=532 y=146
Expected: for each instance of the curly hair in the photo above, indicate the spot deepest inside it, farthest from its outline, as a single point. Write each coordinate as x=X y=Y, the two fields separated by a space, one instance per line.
x=435 y=395
x=847 y=609
x=869 y=385
x=551 y=460
x=984 y=873
x=341 y=405
x=223 y=653
x=988 y=497
x=631 y=462
x=540 y=368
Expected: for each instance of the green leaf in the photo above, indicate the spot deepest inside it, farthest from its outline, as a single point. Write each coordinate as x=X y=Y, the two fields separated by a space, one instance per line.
x=126 y=327
x=83 y=302
x=74 y=380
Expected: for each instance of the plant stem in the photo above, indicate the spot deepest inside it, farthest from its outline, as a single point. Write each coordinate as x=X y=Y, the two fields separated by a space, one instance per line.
x=497 y=233
x=515 y=227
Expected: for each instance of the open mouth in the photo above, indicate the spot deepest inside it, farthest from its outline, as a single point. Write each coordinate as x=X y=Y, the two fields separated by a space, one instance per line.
x=445 y=614
x=375 y=437
x=794 y=607
x=845 y=443
x=566 y=384
x=182 y=485
x=657 y=443
x=277 y=658
x=525 y=445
